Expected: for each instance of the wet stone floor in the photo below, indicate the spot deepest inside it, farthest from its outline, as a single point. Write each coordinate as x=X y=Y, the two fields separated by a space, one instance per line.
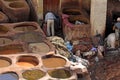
x=107 y=68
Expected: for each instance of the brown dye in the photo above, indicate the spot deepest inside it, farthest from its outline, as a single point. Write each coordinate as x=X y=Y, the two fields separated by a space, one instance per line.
x=25 y=64
x=39 y=47
x=71 y=11
x=53 y=62
x=27 y=61
x=3 y=30
x=25 y=28
x=59 y=73
x=33 y=74
x=4 y=63
x=10 y=50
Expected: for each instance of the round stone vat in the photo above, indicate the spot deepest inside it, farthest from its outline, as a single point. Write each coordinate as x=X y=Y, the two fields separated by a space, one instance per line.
x=3 y=29
x=5 y=40
x=25 y=27
x=11 y=49
x=30 y=37
x=71 y=11
x=76 y=26
x=60 y=73
x=27 y=61
x=9 y=76
x=17 y=11
x=39 y=47
x=50 y=61
x=17 y=5
x=33 y=74
x=5 y=62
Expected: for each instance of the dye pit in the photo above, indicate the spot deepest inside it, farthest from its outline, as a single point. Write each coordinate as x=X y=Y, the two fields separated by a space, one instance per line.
x=9 y=76
x=53 y=62
x=59 y=73
x=33 y=74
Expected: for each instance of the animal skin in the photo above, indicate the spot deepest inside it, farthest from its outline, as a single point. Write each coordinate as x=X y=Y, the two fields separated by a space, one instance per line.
x=111 y=40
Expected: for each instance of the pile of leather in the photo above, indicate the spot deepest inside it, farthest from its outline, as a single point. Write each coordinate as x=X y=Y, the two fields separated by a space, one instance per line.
x=59 y=44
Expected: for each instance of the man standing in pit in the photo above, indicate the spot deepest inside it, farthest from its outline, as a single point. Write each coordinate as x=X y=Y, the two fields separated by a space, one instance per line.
x=116 y=27
x=49 y=19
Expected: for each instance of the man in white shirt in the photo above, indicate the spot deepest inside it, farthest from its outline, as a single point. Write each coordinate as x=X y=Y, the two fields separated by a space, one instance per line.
x=49 y=19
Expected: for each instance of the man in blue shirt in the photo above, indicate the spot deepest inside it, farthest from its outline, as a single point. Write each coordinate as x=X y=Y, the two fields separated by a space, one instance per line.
x=116 y=27
x=49 y=19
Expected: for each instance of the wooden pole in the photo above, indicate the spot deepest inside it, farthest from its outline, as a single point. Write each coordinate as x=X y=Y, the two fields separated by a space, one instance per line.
x=98 y=16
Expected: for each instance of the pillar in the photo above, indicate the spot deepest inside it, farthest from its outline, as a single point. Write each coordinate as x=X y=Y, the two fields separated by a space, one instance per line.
x=98 y=16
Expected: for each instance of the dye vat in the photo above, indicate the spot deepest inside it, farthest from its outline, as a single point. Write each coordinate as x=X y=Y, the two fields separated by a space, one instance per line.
x=3 y=29
x=17 y=5
x=25 y=28
x=71 y=11
x=11 y=49
x=27 y=61
x=39 y=47
x=14 y=9
x=4 y=62
x=50 y=61
x=76 y=27
x=30 y=37
x=9 y=76
x=81 y=18
x=60 y=73
x=5 y=40
x=33 y=74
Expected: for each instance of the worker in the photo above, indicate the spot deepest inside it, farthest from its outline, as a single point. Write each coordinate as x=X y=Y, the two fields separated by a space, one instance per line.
x=116 y=27
x=49 y=20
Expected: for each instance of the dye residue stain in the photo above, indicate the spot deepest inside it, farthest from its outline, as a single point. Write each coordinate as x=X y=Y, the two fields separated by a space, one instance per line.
x=33 y=74
x=54 y=62
x=4 y=63
x=60 y=73
x=39 y=47
x=25 y=28
x=10 y=51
